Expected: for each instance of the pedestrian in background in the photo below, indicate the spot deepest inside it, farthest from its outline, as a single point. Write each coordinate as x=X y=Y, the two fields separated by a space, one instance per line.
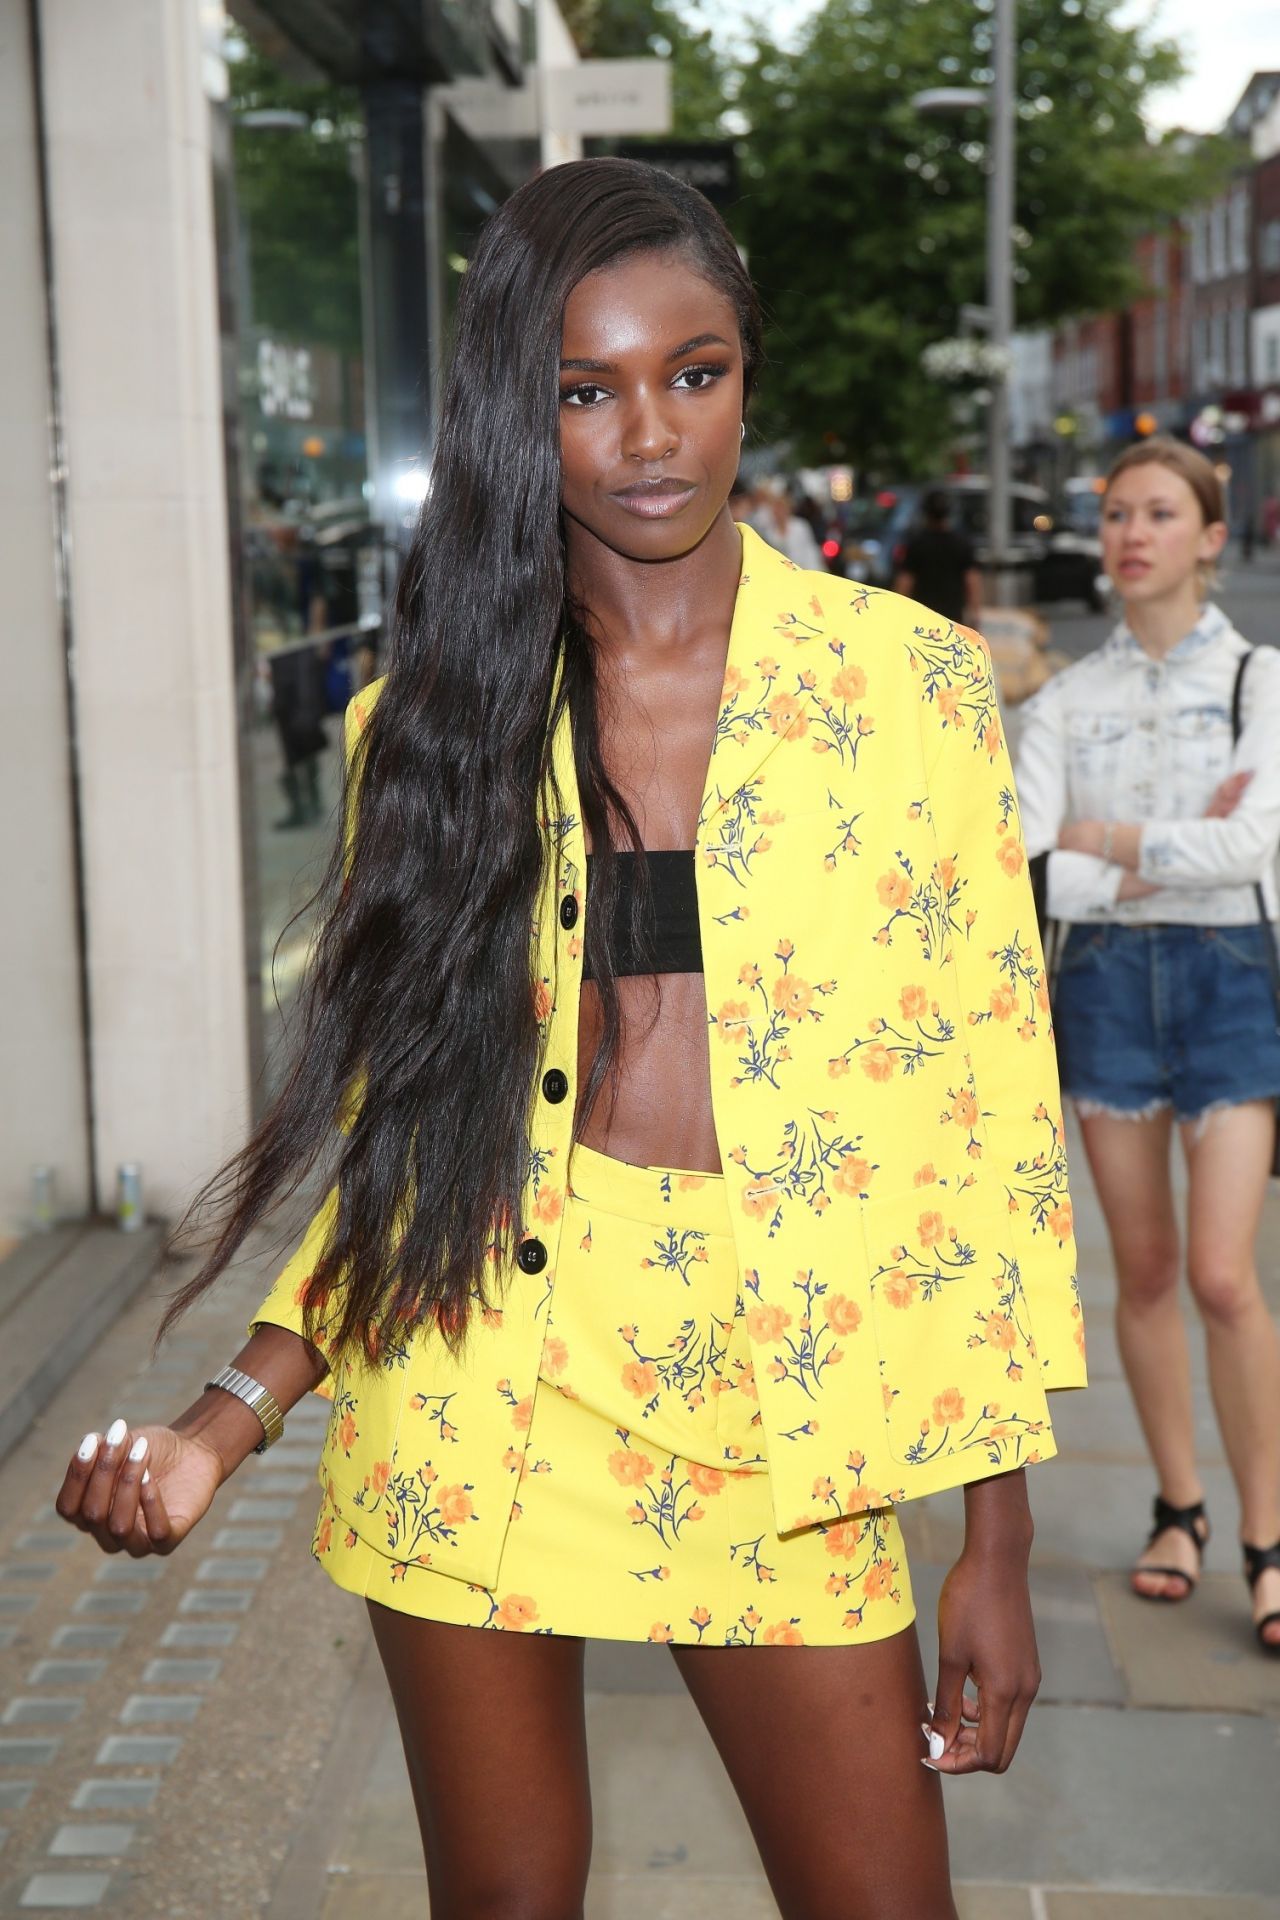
x=658 y=1267
x=1158 y=831
x=776 y=521
x=939 y=567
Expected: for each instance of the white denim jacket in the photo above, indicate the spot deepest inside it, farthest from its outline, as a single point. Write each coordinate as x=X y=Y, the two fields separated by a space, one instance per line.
x=1120 y=736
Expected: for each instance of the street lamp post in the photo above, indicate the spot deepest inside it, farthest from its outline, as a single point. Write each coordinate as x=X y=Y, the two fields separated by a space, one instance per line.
x=1000 y=290
x=1001 y=163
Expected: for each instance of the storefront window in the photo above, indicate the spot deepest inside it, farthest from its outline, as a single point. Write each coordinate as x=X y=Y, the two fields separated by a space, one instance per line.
x=313 y=562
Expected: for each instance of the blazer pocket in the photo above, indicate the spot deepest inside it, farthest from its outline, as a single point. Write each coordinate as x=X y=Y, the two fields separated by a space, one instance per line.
x=956 y=1347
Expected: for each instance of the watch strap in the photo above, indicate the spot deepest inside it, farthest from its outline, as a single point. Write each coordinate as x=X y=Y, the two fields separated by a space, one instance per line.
x=257 y=1398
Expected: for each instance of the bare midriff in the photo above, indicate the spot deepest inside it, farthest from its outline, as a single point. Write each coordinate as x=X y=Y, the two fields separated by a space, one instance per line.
x=656 y=739
x=661 y=1116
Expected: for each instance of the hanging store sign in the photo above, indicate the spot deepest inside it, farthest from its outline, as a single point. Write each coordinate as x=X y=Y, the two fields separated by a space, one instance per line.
x=597 y=98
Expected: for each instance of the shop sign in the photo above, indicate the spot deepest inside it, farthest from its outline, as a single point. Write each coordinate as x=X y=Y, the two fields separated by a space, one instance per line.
x=284 y=381
x=597 y=98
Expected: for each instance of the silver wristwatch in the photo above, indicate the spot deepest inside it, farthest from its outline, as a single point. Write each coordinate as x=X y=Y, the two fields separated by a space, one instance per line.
x=256 y=1396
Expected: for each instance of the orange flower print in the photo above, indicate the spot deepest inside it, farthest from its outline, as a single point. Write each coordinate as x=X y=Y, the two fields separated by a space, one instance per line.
x=324 y=1534
x=660 y=1634
x=844 y=1540
x=894 y=889
x=948 y=1407
x=991 y=740
x=1011 y=857
x=522 y=1414
x=705 y=1480
x=555 y=1354
x=758 y=1198
x=877 y=1061
x=793 y=995
x=852 y=1174
x=766 y=1323
x=749 y=974
x=734 y=681
x=541 y=1000
x=964 y=1110
x=549 y=1204
x=926 y=1175
x=949 y=703
x=930 y=1229
x=731 y=1021
x=516 y=1612
x=914 y=1001
x=899 y=1288
x=640 y=1377
x=843 y=1316
x=999 y=1331
x=380 y=1475
x=455 y=1505
x=878 y=1584
x=783 y=1633
x=1060 y=1221
x=786 y=715
x=630 y=1469
x=1003 y=1002
x=850 y=684
x=945 y=873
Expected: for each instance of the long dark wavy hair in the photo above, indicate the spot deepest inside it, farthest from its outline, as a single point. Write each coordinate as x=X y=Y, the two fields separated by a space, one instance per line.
x=416 y=1024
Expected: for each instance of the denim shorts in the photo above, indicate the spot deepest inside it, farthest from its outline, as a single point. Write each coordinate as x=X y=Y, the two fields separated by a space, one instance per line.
x=1166 y=1016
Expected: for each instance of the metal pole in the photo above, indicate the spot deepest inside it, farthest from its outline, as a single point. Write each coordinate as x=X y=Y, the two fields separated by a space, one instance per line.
x=1000 y=289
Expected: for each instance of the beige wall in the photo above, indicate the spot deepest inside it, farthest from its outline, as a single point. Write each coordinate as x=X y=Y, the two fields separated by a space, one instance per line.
x=42 y=1109
x=134 y=277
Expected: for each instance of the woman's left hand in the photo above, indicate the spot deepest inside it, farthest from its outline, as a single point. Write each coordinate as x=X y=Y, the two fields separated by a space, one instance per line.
x=986 y=1636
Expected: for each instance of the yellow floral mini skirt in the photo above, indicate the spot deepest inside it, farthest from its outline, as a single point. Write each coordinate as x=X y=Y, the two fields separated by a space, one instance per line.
x=643 y=1511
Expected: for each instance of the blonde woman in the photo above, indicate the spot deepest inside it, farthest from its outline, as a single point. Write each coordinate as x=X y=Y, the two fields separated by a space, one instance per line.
x=1157 y=828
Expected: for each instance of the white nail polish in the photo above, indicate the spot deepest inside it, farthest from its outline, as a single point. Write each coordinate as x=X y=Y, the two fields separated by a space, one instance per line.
x=146 y=1476
x=139 y=1448
x=88 y=1447
x=937 y=1746
x=116 y=1432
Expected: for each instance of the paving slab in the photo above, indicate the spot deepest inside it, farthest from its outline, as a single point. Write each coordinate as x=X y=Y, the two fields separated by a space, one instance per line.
x=1075 y=1656
x=1199 y=1654
x=65 y=1890
x=1161 y=1906
x=1129 y=1801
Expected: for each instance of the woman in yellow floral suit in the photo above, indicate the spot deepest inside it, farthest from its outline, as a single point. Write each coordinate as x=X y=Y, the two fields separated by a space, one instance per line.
x=678 y=1048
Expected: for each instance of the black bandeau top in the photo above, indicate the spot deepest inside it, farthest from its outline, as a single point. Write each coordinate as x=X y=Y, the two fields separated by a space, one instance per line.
x=670 y=939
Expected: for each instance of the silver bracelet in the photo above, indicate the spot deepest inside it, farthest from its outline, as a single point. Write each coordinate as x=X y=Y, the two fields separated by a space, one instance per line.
x=1108 y=835
x=258 y=1398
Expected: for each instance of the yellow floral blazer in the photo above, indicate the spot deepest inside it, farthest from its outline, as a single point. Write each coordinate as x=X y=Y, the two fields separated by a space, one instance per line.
x=883 y=1085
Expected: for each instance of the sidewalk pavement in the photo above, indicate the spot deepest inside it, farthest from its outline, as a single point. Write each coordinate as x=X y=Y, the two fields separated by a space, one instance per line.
x=209 y=1737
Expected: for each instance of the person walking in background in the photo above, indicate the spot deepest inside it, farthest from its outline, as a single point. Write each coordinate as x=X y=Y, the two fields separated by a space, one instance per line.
x=1155 y=830
x=657 y=1268
x=939 y=567
x=775 y=520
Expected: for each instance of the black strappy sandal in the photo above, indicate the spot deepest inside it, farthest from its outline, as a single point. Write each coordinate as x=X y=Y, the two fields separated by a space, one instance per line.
x=1257 y=1561
x=1187 y=1520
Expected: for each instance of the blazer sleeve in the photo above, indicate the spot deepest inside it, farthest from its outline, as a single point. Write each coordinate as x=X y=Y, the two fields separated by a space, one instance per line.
x=994 y=946
x=284 y=1304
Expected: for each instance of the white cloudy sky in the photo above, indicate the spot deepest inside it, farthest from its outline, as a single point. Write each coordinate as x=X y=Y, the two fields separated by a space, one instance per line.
x=1223 y=41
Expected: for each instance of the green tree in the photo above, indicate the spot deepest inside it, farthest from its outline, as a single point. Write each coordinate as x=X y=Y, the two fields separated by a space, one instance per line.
x=296 y=196
x=865 y=222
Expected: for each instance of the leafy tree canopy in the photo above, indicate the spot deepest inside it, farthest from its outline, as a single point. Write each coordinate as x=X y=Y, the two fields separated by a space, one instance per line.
x=296 y=198
x=864 y=221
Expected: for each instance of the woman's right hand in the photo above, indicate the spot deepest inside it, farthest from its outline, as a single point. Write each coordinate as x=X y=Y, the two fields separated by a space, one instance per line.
x=139 y=1491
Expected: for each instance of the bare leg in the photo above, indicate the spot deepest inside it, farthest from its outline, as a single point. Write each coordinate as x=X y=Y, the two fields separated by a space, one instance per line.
x=495 y=1737
x=1130 y=1164
x=823 y=1747
x=1229 y=1163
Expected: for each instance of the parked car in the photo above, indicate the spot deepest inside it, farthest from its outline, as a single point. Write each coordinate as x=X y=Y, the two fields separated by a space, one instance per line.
x=1065 y=561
